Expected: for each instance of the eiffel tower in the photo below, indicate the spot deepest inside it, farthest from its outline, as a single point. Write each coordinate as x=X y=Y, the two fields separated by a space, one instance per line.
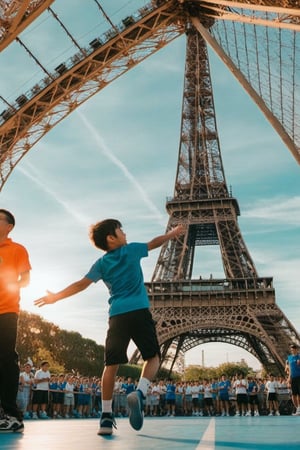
x=241 y=308
x=259 y=42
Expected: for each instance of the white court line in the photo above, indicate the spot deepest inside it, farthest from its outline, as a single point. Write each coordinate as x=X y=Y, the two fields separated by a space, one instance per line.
x=208 y=439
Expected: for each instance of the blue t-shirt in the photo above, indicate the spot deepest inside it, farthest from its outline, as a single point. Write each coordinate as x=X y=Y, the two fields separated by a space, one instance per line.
x=170 y=394
x=224 y=386
x=128 y=388
x=120 y=270
x=252 y=387
x=214 y=388
x=294 y=367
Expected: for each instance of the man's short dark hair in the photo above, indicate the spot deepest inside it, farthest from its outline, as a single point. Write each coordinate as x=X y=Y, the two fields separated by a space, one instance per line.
x=9 y=216
x=100 y=231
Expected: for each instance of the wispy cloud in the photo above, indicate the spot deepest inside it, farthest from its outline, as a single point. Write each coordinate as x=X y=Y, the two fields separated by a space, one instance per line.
x=280 y=210
x=57 y=197
x=110 y=155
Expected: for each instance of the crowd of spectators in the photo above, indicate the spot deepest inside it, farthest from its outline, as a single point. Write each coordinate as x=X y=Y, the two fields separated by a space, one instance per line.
x=43 y=395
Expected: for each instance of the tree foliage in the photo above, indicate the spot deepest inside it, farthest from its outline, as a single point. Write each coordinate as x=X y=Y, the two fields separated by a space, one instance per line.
x=65 y=350
x=127 y=370
x=229 y=369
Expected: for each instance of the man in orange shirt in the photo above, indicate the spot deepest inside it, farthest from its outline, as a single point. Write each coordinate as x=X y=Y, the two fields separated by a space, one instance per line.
x=14 y=274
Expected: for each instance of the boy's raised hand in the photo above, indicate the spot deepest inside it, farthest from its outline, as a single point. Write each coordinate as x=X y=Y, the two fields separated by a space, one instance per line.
x=46 y=300
x=178 y=230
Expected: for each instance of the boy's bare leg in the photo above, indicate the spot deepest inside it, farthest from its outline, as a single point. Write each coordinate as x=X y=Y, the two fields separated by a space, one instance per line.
x=108 y=381
x=107 y=422
x=150 y=368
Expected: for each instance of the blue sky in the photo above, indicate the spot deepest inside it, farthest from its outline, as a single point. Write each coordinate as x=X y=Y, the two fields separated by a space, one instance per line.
x=116 y=156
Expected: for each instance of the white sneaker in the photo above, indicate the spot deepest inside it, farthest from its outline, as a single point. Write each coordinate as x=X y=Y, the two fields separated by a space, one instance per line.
x=34 y=415
x=248 y=414
x=256 y=413
x=11 y=424
x=277 y=413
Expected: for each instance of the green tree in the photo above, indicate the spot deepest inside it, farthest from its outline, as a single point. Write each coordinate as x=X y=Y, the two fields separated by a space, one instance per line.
x=229 y=369
x=44 y=355
x=198 y=373
x=130 y=370
x=67 y=350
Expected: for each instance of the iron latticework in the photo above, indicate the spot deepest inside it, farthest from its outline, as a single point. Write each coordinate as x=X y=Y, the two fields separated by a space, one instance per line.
x=263 y=56
x=239 y=309
x=259 y=42
x=16 y=15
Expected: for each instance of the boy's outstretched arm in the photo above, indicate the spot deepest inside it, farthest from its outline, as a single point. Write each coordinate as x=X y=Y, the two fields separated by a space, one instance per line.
x=72 y=289
x=160 y=240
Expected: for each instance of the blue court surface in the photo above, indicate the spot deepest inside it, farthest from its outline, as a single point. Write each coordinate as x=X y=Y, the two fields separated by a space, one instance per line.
x=178 y=433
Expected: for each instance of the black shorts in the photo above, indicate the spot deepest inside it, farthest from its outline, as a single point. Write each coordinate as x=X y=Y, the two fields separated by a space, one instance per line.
x=57 y=397
x=40 y=397
x=253 y=400
x=295 y=385
x=195 y=401
x=242 y=399
x=272 y=396
x=136 y=325
x=208 y=401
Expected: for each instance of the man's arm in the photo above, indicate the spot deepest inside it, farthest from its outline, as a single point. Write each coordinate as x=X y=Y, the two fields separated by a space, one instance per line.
x=70 y=290
x=287 y=367
x=160 y=240
x=22 y=282
x=24 y=279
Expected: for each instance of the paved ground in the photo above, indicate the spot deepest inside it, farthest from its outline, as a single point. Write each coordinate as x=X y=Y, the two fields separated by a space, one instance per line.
x=178 y=433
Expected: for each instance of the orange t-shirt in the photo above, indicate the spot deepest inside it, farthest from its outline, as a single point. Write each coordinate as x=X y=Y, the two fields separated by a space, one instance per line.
x=14 y=261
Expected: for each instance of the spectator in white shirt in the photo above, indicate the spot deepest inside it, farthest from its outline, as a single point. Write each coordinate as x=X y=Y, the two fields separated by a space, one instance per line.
x=272 y=399
x=40 y=394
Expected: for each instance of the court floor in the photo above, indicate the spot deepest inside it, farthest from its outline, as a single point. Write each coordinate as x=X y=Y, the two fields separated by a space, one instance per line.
x=178 y=433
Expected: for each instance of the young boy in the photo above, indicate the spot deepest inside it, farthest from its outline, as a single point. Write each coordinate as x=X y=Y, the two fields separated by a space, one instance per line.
x=40 y=396
x=129 y=315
